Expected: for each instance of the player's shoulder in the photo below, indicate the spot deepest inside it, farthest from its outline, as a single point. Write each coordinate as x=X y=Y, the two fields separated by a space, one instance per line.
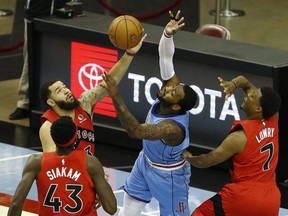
x=46 y=124
x=92 y=161
x=171 y=124
x=93 y=165
x=92 y=158
x=34 y=161
x=36 y=157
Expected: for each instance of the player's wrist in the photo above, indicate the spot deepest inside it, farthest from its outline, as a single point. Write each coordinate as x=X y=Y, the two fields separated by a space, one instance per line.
x=129 y=53
x=234 y=83
x=166 y=35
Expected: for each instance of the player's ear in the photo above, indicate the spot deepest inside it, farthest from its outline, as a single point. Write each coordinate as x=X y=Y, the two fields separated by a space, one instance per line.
x=50 y=102
x=258 y=109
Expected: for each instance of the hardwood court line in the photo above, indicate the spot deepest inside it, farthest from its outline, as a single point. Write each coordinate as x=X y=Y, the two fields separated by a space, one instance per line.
x=29 y=205
x=14 y=158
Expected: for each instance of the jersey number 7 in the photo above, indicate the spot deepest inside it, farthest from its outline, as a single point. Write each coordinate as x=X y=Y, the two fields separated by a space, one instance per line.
x=270 y=148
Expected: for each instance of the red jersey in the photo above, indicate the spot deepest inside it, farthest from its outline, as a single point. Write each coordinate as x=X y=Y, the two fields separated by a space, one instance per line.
x=253 y=190
x=64 y=185
x=85 y=129
x=258 y=160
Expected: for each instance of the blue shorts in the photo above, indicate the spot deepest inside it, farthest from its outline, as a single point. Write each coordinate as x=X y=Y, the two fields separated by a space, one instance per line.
x=169 y=187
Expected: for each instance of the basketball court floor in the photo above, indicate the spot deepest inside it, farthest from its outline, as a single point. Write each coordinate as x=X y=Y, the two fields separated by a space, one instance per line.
x=13 y=159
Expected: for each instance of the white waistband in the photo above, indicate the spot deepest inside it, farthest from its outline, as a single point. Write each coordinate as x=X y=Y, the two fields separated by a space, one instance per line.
x=166 y=166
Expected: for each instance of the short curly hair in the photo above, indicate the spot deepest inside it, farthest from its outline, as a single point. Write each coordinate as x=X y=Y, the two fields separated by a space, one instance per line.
x=63 y=130
x=270 y=102
x=189 y=100
x=45 y=92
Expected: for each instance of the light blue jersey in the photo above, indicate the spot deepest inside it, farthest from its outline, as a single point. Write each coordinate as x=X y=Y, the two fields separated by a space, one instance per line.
x=156 y=150
x=161 y=172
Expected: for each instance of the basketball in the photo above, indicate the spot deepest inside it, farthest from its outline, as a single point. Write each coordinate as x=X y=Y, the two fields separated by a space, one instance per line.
x=125 y=32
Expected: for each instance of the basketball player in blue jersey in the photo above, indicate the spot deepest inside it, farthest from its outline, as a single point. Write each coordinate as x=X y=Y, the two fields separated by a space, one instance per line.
x=160 y=170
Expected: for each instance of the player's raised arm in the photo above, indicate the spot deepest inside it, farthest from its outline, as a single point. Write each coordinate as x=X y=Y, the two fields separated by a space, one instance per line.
x=166 y=49
x=237 y=82
x=167 y=130
x=89 y=98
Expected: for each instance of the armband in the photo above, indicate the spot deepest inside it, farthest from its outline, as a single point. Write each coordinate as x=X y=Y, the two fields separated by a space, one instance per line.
x=234 y=83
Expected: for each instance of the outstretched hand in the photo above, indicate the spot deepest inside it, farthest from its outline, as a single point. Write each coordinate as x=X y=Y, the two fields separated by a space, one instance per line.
x=111 y=85
x=228 y=87
x=175 y=24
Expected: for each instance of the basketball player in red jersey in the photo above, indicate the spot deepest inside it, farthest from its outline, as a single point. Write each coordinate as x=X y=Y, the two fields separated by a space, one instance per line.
x=62 y=102
x=253 y=146
x=67 y=181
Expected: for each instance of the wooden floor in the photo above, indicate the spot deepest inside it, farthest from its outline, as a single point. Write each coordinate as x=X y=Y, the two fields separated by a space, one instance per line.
x=6 y=22
x=264 y=22
x=8 y=96
x=8 y=88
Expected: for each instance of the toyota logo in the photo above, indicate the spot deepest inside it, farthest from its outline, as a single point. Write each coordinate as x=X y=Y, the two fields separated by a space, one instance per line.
x=90 y=75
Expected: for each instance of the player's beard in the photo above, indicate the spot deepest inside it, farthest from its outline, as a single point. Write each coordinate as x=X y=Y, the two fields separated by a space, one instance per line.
x=68 y=105
x=162 y=100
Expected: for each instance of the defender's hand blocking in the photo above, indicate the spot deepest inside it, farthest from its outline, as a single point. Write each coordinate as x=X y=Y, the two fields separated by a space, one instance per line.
x=175 y=24
x=228 y=87
x=111 y=85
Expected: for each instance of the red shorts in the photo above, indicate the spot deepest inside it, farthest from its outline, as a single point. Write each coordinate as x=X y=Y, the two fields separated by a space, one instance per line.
x=238 y=199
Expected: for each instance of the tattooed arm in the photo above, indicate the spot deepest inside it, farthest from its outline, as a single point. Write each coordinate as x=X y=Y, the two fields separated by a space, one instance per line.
x=167 y=130
x=89 y=98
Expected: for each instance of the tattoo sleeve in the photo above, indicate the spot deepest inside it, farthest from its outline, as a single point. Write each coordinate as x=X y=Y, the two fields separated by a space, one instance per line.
x=128 y=121
x=91 y=97
x=166 y=129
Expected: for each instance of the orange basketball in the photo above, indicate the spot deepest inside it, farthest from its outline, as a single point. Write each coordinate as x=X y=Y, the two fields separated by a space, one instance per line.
x=125 y=32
